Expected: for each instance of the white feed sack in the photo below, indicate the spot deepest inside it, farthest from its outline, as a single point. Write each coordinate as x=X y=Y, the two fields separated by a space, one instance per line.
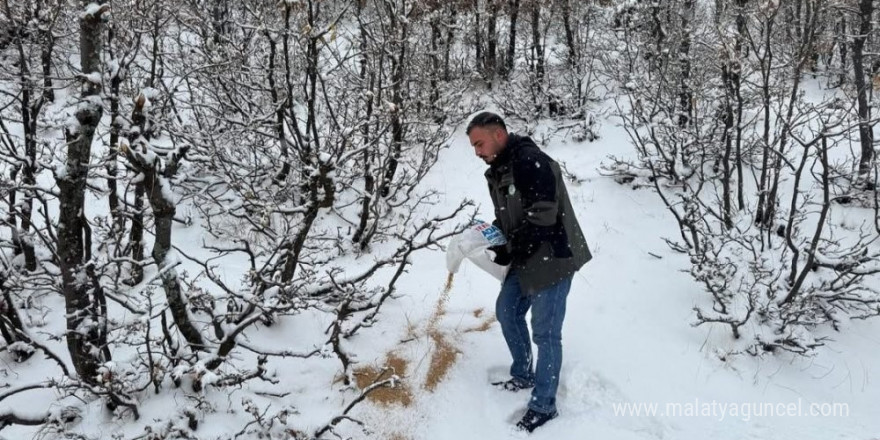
x=473 y=244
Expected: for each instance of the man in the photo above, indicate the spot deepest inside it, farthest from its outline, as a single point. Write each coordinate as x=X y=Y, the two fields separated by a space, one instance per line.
x=545 y=248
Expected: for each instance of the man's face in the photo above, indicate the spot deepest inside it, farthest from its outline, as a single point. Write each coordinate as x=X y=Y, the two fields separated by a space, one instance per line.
x=487 y=142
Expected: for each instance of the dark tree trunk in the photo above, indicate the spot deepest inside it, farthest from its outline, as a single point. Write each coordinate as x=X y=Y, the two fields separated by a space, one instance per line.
x=511 y=44
x=728 y=68
x=398 y=65
x=537 y=47
x=29 y=114
x=136 y=235
x=766 y=66
x=685 y=94
x=84 y=339
x=279 y=113
x=47 y=44
x=11 y=219
x=113 y=155
x=490 y=65
x=450 y=35
x=842 y=47
x=220 y=17
x=478 y=37
x=313 y=183
x=866 y=135
x=369 y=179
x=436 y=35
x=11 y=326
x=657 y=32
x=569 y=32
x=163 y=214
x=736 y=79
x=365 y=233
x=294 y=249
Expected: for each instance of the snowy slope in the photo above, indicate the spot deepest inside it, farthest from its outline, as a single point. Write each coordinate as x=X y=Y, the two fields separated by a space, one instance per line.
x=627 y=338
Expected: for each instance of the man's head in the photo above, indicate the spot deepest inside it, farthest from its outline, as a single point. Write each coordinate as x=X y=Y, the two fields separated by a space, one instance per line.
x=488 y=135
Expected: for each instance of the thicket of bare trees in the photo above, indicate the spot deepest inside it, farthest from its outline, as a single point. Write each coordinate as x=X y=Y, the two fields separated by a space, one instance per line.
x=291 y=135
x=743 y=114
x=297 y=131
x=553 y=72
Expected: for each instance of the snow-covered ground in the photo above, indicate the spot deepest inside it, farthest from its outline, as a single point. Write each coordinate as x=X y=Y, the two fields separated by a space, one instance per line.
x=627 y=338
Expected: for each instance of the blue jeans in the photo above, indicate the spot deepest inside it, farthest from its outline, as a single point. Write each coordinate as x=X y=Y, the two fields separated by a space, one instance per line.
x=548 y=311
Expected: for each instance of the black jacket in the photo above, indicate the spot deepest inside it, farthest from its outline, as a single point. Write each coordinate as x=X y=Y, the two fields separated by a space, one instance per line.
x=533 y=210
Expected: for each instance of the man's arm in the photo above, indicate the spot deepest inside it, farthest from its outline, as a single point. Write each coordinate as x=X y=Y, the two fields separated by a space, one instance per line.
x=534 y=179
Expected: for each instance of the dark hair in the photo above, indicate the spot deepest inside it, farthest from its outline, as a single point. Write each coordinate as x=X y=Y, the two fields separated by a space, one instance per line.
x=486 y=119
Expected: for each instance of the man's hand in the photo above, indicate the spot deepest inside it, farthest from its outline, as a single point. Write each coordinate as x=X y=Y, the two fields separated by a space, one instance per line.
x=502 y=255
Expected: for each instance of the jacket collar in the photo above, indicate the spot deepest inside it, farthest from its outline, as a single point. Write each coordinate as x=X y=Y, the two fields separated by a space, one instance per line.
x=506 y=154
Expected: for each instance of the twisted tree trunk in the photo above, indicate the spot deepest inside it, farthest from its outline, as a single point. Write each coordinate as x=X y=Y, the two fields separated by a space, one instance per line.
x=158 y=193
x=83 y=311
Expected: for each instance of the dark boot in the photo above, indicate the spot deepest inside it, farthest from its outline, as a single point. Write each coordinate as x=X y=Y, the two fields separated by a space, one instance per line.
x=533 y=419
x=513 y=385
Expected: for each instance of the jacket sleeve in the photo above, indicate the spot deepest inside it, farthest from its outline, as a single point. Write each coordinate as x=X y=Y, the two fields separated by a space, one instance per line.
x=533 y=177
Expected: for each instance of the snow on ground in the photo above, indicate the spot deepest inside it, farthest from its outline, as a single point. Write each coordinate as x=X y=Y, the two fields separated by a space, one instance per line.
x=627 y=337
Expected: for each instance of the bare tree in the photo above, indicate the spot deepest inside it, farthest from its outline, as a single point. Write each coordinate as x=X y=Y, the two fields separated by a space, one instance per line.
x=510 y=58
x=86 y=306
x=866 y=132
